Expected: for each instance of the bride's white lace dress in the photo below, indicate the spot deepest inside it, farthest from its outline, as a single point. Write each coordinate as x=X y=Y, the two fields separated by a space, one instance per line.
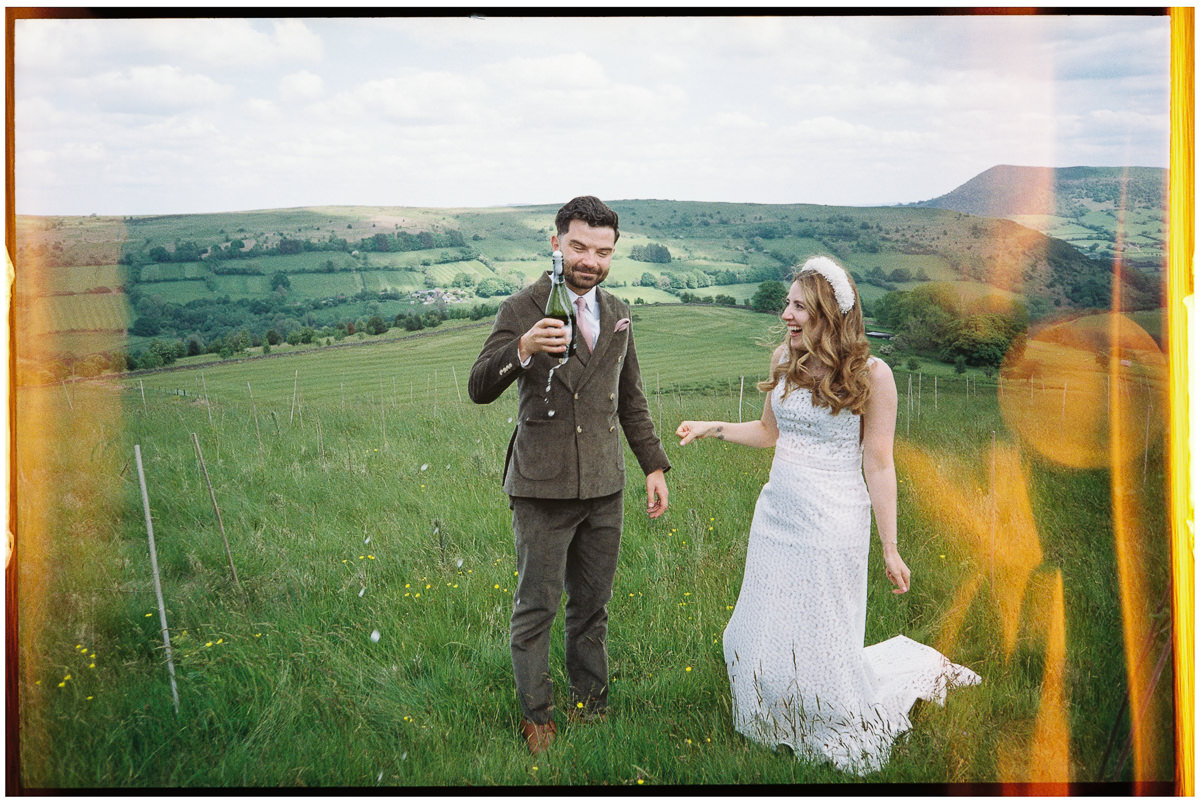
x=799 y=673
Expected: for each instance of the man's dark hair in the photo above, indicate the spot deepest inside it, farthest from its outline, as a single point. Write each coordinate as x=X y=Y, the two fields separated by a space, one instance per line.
x=589 y=209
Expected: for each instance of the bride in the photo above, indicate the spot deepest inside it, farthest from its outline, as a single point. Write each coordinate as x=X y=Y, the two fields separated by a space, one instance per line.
x=798 y=670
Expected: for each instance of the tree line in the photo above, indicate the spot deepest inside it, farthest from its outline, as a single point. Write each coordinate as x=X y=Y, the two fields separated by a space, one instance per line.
x=237 y=249
x=262 y=333
x=936 y=321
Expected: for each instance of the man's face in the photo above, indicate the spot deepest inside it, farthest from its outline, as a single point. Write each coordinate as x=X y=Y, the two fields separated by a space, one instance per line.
x=587 y=252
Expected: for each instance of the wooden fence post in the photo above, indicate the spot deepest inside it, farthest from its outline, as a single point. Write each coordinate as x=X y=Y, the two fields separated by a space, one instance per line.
x=162 y=610
x=254 y=413
x=295 y=388
x=207 y=406
x=220 y=523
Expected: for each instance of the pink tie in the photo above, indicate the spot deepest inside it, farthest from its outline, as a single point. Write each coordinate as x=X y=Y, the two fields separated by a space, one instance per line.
x=584 y=328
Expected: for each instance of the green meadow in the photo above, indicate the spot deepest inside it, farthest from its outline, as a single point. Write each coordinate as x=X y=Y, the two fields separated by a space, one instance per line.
x=359 y=491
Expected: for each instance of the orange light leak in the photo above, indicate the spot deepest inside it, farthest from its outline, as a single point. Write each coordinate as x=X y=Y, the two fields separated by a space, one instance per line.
x=996 y=530
x=1136 y=608
x=1089 y=393
x=1180 y=286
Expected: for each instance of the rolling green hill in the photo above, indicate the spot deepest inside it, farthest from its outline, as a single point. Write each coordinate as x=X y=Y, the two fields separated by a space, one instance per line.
x=1102 y=211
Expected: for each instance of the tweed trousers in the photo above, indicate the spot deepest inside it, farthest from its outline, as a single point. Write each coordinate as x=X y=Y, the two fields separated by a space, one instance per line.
x=569 y=545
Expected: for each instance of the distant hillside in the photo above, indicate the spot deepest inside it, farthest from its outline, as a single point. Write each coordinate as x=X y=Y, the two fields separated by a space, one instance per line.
x=91 y=285
x=1086 y=206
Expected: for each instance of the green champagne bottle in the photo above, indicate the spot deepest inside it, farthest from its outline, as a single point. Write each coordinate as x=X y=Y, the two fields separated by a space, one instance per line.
x=559 y=304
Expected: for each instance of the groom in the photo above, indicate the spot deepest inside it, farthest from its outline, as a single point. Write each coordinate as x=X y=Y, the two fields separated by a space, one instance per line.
x=565 y=469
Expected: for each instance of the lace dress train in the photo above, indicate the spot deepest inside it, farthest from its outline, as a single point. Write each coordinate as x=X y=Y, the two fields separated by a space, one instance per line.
x=799 y=673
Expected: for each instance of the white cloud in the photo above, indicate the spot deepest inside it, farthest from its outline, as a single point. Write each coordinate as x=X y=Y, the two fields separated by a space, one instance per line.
x=738 y=120
x=428 y=96
x=261 y=113
x=262 y=109
x=301 y=86
x=1122 y=120
x=151 y=90
x=569 y=71
x=181 y=129
x=226 y=43
x=56 y=47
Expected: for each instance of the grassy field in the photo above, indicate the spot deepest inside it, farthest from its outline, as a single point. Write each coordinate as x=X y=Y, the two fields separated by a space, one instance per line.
x=80 y=312
x=360 y=493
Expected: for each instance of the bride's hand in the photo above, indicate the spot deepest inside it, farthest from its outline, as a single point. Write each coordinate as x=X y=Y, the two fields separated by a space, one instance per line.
x=896 y=570
x=689 y=431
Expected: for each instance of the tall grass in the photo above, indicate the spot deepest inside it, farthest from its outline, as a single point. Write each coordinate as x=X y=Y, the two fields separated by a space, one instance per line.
x=372 y=508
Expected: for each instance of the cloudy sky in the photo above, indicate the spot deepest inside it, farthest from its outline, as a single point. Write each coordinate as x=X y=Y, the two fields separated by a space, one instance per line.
x=204 y=115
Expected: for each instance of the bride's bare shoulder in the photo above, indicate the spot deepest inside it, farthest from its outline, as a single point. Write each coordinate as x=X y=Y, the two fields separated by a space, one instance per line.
x=879 y=372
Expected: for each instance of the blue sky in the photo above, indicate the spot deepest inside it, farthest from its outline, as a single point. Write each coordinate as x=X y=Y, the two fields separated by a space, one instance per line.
x=205 y=115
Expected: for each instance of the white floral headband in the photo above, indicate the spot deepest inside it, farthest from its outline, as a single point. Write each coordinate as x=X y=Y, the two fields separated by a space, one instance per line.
x=835 y=275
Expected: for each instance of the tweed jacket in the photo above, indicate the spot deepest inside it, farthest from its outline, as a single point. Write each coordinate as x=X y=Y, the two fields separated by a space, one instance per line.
x=568 y=447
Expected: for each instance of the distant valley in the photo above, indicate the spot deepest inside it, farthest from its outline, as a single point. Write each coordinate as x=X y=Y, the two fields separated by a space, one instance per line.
x=97 y=286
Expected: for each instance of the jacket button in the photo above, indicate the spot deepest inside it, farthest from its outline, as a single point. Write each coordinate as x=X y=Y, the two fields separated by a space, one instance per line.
x=578 y=429
x=612 y=427
x=612 y=396
x=576 y=396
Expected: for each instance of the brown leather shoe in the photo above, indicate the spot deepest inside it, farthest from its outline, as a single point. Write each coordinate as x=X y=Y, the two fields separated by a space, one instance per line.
x=538 y=736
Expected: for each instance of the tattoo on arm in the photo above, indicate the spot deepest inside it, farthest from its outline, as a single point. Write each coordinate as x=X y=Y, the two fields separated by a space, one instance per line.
x=720 y=434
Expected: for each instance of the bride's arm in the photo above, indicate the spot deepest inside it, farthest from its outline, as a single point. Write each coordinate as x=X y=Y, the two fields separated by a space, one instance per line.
x=879 y=467
x=761 y=433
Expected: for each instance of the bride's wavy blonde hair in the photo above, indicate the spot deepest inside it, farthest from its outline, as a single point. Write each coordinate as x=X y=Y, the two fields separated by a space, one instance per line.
x=831 y=360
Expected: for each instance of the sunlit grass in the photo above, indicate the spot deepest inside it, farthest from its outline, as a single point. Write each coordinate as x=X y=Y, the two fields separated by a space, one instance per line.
x=373 y=505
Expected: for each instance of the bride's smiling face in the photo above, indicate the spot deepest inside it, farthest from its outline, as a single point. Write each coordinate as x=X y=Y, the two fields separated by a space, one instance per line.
x=795 y=313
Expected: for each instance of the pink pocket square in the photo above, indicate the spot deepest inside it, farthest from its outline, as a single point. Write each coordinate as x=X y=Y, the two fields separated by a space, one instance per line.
x=622 y=324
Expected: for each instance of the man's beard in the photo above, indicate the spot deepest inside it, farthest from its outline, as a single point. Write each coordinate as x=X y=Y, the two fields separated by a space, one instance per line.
x=584 y=283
